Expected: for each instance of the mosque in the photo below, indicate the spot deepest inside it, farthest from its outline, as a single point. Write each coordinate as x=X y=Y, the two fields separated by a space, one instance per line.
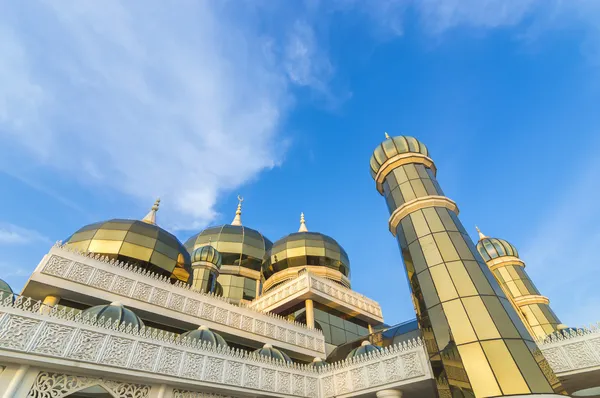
x=123 y=309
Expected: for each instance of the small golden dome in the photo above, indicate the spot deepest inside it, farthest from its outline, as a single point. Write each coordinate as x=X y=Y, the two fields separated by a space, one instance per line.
x=393 y=146
x=491 y=248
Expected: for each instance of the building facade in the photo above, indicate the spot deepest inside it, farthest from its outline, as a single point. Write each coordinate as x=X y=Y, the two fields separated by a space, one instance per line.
x=123 y=309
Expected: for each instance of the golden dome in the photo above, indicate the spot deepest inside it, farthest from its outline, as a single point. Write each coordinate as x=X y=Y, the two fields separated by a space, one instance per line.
x=138 y=242
x=491 y=248
x=305 y=248
x=239 y=245
x=393 y=146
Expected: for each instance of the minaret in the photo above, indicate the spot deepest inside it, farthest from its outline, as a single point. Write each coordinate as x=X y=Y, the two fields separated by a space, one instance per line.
x=503 y=260
x=477 y=344
x=237 y=220
x=151 y=216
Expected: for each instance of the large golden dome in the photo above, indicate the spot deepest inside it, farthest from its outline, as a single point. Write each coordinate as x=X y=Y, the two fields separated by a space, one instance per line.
x=306 y=249
x=138 y=242
x=238 y=245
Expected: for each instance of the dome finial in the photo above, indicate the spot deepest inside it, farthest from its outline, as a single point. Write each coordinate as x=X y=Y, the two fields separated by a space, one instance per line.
x=151 y=216
x=387 y=136
x=481 y=235
x=302 y=224
x=237 y=220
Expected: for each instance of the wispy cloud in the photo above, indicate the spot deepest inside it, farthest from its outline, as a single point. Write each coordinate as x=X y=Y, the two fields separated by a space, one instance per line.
x=179 y=102
x=14 y=235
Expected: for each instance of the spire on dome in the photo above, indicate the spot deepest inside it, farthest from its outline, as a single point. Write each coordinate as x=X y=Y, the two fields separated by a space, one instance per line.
x=237 y=220
x=151 y=216
x=387 y=136
x=481 y=235
x=302 y=224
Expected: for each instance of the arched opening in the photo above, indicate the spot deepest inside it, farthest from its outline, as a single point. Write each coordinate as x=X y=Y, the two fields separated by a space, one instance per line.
x=92 y=392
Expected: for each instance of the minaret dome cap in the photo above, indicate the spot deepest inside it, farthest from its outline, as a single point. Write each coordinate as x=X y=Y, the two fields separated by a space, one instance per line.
x=393 y=146
x=491 y=248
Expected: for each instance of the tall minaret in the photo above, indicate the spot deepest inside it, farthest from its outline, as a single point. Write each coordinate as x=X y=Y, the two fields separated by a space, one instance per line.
x=477 y=344
x=503 y=260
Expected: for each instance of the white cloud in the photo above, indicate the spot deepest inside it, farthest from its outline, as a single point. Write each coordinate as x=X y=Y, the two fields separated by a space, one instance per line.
x=179 y=102
x=14 y=235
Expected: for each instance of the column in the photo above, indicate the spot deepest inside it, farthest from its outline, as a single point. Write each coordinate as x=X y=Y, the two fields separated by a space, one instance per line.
x=16 y=382
x=389 y=394
x=310 y=313
x=476 y=342
x=48 y=303
x=257 y=288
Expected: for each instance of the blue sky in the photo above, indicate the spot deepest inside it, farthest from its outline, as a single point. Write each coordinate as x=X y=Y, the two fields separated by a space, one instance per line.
x=104 y=107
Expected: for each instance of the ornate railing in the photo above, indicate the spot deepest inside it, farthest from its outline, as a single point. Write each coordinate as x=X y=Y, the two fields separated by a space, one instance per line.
x=306 y=280
x=58 y=340
x=126 y=280
x=574 y=350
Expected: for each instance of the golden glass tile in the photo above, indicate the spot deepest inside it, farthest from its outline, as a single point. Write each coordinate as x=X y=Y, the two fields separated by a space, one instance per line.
x=430 y=187
x=181 y=274
x=513 y=289
x=135 y=251
x=440 y=326
x=505 y=274
x=515 y=319
x=433 y=219
x=411 y=171
x=430 y=250
x=229 y=247
x=407 y=192
x=110 y=234
x=480 y=374
x=162 y=261
x=428 y=289
x=522 y=288
x=460 y=277
x=446 y=247
x=296 y=252
x=504 y=367
x=459 y=322
x=513 y=272
x=443 y=283
x=501 y=319
x=140 y=240
x=417 y=258
x=379 y=155
x=444 y=214
x=479 y=280
x=105 y=246
x=538 y=384
x=461 y=247
x=418 y=220
x=418 y=188
x=480 y=318
x=408 y=230
x=81 y=245
x=529 y=315
x=400 y=175
x=83 y=235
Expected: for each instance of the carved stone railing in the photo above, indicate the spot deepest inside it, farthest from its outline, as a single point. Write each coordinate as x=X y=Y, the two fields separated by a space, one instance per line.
x=573 y=351
x=96 y=272
x=59 y=342
x=307 y=280
x=27 y=328
x=397 y=365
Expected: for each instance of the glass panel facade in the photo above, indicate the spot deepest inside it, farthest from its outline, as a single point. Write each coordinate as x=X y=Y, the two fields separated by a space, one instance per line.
x=468 y=325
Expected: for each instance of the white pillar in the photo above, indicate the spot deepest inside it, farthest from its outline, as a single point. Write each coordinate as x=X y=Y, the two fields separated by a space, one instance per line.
x=15 y=382
x=257 y=288
x=310 y=313
x=389 y=394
